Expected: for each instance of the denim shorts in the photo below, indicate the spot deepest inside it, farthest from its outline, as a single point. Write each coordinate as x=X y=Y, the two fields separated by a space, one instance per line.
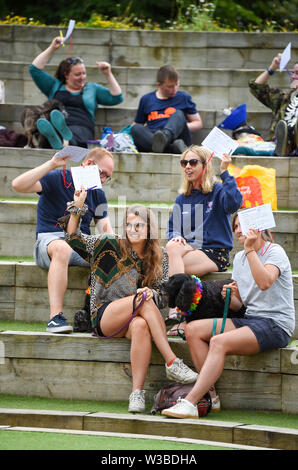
x=40 y=252
x=269 y=335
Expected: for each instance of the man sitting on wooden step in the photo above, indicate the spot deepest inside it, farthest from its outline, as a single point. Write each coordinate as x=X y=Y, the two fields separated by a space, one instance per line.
x=165 y=117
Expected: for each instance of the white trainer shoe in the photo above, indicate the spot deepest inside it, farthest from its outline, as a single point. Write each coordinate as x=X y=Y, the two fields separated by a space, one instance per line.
x=137 y=401
x=180 y=372
x=182 y=409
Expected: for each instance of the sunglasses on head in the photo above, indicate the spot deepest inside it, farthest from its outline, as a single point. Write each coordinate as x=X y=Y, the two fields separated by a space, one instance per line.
x=192 y=162
x=74 y=60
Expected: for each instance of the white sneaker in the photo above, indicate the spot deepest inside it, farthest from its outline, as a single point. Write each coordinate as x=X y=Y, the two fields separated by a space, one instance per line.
x=180 y=372
x=182 y=409
x=137 y=401
x=215 y=403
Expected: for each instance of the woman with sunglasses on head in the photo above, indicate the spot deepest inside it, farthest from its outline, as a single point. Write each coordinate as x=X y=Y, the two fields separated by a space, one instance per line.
x=79 y=97
x=199 y=231
x=263 y=283
x=122 y=270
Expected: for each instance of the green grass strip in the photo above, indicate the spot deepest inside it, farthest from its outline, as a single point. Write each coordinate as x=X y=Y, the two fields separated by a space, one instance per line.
x=27 y=440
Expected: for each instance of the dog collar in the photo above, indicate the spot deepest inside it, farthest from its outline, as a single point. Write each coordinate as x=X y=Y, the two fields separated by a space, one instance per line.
x=196 y=297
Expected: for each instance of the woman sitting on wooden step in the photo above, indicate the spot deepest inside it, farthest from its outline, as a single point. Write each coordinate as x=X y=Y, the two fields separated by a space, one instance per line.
x=263 y=283
x=123 y=271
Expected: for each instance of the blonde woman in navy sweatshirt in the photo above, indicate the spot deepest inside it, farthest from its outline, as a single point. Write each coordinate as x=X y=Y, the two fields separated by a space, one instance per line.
x=199 y=230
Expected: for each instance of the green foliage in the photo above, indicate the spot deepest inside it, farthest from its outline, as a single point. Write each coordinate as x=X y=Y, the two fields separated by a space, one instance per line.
x=244 y=15
x=191 y=15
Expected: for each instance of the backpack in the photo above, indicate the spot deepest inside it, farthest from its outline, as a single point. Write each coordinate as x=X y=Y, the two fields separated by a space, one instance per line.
x=169 y=395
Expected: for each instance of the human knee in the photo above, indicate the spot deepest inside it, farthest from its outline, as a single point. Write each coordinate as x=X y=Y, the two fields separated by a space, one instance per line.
x=59 y=251
x=217 y=344
x=172 y=248
x=139 y=326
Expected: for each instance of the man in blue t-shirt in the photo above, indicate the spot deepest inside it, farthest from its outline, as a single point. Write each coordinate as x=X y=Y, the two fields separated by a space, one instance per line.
x=165 y=117
x=55 y=188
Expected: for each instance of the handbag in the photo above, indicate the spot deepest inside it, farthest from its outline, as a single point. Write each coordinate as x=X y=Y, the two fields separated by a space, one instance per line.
x=168 y=396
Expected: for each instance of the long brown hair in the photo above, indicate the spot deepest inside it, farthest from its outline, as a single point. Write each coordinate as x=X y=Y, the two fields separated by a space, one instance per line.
x=152 y=261
x=208 y=179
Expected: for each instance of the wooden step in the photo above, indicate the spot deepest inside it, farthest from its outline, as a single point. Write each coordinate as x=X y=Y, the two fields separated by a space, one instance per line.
x=210 y=88
x=118 y=117
x=24 y=294
x=142 y=48
x=19 y=217
x=237 y=435
x=150 y=459
x=79 y=366
x=149 y=176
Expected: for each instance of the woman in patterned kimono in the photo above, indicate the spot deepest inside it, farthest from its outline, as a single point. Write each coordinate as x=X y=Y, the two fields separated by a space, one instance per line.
x=122 y=270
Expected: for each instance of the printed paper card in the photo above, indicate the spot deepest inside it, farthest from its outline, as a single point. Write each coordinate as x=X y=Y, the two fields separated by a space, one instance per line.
x=285 y=57
x=69 y=30
x=87 y=176
x=75 y=153
x=259 y=217
x=219 y=142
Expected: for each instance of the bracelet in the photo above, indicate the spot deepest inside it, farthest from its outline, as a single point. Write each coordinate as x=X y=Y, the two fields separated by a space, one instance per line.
x=246 y=253
x=270 y=72
x=73 y=209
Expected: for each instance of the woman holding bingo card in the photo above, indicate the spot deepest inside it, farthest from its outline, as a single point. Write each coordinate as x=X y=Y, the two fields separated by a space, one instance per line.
x=123 y=269
x=263 y=283
x=199 y=230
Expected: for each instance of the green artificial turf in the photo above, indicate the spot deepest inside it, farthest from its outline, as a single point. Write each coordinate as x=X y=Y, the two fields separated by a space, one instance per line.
x=26 y=440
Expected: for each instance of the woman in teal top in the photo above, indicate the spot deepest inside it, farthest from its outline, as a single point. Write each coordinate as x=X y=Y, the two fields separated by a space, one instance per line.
x=79 y=97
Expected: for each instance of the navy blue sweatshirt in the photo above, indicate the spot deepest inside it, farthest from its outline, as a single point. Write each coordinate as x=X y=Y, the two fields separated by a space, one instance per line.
x=204 y=219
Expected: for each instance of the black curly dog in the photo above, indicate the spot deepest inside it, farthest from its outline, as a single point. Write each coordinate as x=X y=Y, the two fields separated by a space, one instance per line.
x=181 y=288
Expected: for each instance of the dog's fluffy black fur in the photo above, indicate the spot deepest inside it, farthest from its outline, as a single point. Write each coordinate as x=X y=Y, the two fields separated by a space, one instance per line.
x=29 y=117
x=181 y=288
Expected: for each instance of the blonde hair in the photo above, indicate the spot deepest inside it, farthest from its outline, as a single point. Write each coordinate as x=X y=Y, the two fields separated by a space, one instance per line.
x=207 y=179
x=97 y=154
x=152 y=261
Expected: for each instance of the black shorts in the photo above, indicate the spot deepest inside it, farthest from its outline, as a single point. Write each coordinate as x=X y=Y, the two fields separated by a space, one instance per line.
x=269 y=335
x=99 y=315
x=219 y=256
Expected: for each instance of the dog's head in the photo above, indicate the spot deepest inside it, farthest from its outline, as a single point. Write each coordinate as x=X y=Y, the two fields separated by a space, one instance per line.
x=180 y=289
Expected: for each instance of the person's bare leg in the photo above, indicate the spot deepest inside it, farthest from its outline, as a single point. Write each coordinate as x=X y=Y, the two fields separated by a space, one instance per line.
x=118 y=312
x=236 y=341
x=140 y=351
x=197 y=262
x=59 y=252
x=198 y=334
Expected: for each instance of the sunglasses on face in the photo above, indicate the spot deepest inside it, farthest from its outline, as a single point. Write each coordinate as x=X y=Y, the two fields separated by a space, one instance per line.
x=193 y=162
x=138 y=226
x=108 y=178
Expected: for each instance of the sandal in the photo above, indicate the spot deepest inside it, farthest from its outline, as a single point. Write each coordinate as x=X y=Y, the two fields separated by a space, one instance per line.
x=176 y=331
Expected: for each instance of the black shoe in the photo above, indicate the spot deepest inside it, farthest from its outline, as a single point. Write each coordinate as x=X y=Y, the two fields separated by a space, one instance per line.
x=178 y=146
x=281 y=134
x=160 y=140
